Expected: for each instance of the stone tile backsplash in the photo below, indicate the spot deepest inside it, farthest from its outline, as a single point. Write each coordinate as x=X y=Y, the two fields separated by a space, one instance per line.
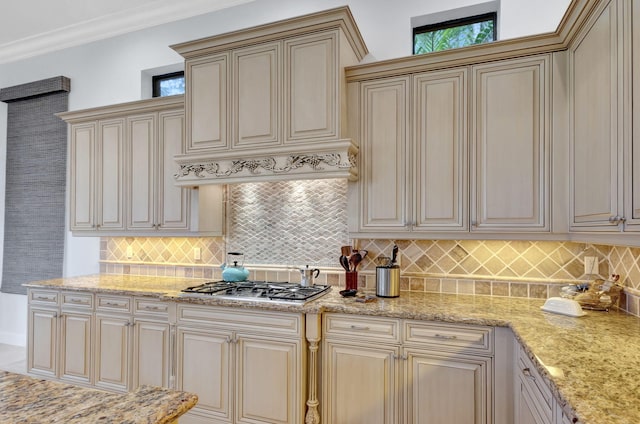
x=280 y=226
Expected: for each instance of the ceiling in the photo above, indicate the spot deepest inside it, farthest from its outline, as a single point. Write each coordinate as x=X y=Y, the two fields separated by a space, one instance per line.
x=32 y=27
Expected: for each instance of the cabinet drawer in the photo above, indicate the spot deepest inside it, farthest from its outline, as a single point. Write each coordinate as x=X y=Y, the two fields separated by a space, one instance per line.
x=113 y=303
x=47 y=297
x=358 y=327
x=449 y=337
x=282 y=323
x=142 y=305
x=530 y=377
x=77 y=300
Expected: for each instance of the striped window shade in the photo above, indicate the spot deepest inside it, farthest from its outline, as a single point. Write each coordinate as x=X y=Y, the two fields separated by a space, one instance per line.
x=34 y=223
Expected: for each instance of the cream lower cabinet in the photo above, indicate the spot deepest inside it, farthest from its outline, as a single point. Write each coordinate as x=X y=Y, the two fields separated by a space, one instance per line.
x=378 y=370
x=113 y=342
x=245 y=367
x=60 y=336
x=133 y=343
x=534 y=403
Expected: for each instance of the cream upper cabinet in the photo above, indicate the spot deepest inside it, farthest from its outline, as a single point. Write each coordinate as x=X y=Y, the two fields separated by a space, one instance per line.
x=173 y=203
x=269 y=102
x=421 y=171
x=384 y=155
x=595 y=132
x=257 y=80
x=510 y=145
x=110 y=194
x=82 y=185
x=97 y=190
x=311 y=95
x=155 y=202
x=440 y=151
x=206 y=103
x=142 y=154
x=632 y=147
x=123 y=173
x=605 y=175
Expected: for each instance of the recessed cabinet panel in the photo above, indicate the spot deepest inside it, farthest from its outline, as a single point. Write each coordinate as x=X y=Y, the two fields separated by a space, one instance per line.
x=151 y=359
x=173 y=202
x=268 y=390
x=440 y=157
x=142 y=146
x=311 y=101
x=511 y=146
x=359 y=384
x=112 y=353
x=204 y=362
x=43 y=336
x=111 y=166
x=256 y=88
x=594 y=125
x=75 y=347
x=206 y=98
x=385 y=187
x=447 y=389
x=83 y=175
x=632 y=157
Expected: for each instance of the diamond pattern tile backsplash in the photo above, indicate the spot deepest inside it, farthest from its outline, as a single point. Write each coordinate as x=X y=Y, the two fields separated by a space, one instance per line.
x=283 y=225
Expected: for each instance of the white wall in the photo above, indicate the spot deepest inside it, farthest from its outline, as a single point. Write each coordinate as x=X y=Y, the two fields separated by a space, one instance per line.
x=109 y=71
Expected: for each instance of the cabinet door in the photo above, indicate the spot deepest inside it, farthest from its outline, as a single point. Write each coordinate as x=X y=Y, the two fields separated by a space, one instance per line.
x=528 y=410
x=111 y=175
x=447 y=388
x=360 y=383
x=269 y=381
x=440 y=153
x=256 y=93
x=594 y=135
x=632 y=152
x=311 y=83
x=510 y=142
x=205 y=367
x=43 y=336
x=206 y=103
x=141 y=153
x=173 y=206
x=151 y=353
x=384 y=157
x=75 y=347
x=112 y=352
x=82 y=176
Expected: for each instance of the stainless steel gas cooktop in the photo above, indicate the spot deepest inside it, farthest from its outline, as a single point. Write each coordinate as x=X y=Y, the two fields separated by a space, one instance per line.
x=264 y=291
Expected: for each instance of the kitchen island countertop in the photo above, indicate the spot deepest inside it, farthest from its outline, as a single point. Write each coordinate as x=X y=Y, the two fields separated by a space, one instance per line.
x=26 y=399
x=590 y=363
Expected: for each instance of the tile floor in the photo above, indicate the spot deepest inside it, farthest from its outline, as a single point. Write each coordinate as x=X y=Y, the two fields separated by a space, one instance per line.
x=13 y=358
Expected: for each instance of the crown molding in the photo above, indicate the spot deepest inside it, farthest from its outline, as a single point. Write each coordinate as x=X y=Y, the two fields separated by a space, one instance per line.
x=122 y=22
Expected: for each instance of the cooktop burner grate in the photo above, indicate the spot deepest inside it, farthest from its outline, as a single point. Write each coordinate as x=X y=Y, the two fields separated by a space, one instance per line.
x=257 y=290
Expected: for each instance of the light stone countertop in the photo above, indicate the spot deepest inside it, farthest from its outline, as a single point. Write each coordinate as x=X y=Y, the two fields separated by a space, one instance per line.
x=599 y=354
x=30 y=400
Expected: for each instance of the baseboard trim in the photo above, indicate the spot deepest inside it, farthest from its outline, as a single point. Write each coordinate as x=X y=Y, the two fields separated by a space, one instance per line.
x=15 y=339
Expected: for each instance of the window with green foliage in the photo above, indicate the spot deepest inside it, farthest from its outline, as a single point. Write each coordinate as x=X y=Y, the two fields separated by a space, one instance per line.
x=453 y=34
x=168 y=84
